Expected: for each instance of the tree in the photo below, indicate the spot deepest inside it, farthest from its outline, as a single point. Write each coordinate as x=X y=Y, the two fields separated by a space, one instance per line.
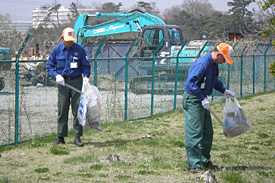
x=198 y=8
x=111 y=7
x=241 y=14
x=269 y=31
x=5 y=22
x=216 y=25
x=268 y=6
x=54 y=9
x=190 y=25
x=239 y=8
x=189 y=16
x=74 y=12
x=9 y=36
x=148 y=7
x=145 y=5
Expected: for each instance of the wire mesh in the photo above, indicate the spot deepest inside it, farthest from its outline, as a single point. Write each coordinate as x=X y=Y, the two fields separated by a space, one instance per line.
x=125 y=100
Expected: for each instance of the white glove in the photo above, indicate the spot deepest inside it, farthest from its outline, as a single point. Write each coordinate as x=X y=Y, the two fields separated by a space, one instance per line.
x=229 y=93
x=205 y=103
x=85 y=79
x=60 y=80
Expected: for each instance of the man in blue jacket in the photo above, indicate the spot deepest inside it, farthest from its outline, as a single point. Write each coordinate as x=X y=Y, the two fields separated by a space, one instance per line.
x=67 y=63
x=202 y=78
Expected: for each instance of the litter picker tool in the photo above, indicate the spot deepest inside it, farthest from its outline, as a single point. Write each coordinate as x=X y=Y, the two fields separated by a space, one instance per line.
x=217 y=118
x=73 y=88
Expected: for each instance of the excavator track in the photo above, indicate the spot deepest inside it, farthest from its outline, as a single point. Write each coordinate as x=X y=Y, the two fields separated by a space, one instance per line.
x=2 y=83
x=164 y=84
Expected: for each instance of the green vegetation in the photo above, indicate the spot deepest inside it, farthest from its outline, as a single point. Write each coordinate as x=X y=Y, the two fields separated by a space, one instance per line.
x=233 y=177
x=148 y=150
x=80 y=159
x=59 y=150
x=41 y=170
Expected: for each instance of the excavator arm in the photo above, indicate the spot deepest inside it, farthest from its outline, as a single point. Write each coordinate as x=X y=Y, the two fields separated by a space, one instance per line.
x=126 y=22
x=154 y=33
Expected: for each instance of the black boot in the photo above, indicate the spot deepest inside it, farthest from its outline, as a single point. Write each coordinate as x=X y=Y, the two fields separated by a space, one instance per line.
x=78 y=142
x=211 y=166
x=59 y=140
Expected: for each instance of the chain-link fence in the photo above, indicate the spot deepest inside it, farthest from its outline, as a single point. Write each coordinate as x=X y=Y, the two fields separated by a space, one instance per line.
x=28 y=104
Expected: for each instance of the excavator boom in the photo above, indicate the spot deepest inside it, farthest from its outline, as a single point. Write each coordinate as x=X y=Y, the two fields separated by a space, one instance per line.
x=125 y=23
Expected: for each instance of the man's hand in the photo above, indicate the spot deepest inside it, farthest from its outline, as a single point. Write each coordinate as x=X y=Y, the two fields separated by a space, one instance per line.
x=205 y=103
x=86 y=79
x=229 y=93
x=60 y=80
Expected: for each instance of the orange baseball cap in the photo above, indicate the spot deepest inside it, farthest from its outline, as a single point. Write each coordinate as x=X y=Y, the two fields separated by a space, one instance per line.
x=68 y=34
x=226 y=50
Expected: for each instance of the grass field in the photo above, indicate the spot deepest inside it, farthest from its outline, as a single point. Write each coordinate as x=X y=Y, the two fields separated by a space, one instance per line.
x=148 y=150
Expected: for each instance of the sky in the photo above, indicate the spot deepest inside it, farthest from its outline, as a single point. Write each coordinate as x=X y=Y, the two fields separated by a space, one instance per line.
x=21 y=10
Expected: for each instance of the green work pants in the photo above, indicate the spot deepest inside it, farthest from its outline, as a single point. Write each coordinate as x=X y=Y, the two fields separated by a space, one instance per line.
x=198 y=131
x=67 y=97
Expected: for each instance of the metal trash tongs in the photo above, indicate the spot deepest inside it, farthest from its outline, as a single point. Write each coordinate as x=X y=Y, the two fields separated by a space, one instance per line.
x=73 y=88
x=217 y=118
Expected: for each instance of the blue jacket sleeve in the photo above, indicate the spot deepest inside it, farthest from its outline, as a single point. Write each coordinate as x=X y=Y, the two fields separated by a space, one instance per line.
x=51 y=64
x=85 y=65
x=219 y=86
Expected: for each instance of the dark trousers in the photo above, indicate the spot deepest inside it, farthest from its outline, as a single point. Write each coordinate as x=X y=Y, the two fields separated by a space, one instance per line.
x=67 y=97
x=198 y=131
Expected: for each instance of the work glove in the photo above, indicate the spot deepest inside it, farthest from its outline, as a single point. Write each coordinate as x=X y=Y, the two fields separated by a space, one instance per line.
x=205 y=103
x=229 y=94
x=60 y=80
x=86 y=79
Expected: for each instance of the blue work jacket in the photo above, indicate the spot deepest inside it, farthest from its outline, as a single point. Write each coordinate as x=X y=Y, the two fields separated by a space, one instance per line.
x=203 y=77
x=60 y=61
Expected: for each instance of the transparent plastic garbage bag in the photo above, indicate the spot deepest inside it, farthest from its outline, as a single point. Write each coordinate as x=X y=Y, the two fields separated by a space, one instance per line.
x=235 y=122
x=89 y=110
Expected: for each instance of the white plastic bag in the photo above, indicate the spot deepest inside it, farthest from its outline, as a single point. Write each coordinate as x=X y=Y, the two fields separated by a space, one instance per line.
x=235 y=121
x=89 y=106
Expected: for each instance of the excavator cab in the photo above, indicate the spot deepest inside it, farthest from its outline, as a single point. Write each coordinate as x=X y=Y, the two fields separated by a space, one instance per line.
x=152 y=36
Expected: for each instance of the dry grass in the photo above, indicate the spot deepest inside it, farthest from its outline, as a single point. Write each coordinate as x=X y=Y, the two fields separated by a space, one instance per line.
x=149 y=150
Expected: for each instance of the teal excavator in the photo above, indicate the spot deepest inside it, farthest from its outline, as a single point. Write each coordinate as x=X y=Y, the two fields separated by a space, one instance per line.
x=5 y=54
x=153 y=35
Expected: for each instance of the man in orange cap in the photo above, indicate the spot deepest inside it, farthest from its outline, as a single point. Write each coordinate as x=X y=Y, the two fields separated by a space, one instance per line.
x=67 y=63
x=202 y=78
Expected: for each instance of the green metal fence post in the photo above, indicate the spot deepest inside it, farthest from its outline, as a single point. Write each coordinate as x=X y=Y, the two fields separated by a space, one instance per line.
x=265 y=66
x=96 y=55
x=153 y=76
x=126 y=78
x=228 y=68
x=228 y=76
x=254 y=74
x=17 y=87
x=199 y=54
x=177 y=70
x=241 y=82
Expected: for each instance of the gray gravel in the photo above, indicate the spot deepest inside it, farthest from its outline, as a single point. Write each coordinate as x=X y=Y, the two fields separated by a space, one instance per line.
x=38 y=109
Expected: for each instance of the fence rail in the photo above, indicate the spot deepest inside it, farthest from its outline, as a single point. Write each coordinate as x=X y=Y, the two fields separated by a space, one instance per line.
x=28 y=104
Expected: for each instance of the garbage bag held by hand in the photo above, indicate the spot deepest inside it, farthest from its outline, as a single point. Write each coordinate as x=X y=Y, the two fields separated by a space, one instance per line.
x=235 y=121
x=82 y=109
x=94 y=109
x=83 y=104
x=90 y=106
